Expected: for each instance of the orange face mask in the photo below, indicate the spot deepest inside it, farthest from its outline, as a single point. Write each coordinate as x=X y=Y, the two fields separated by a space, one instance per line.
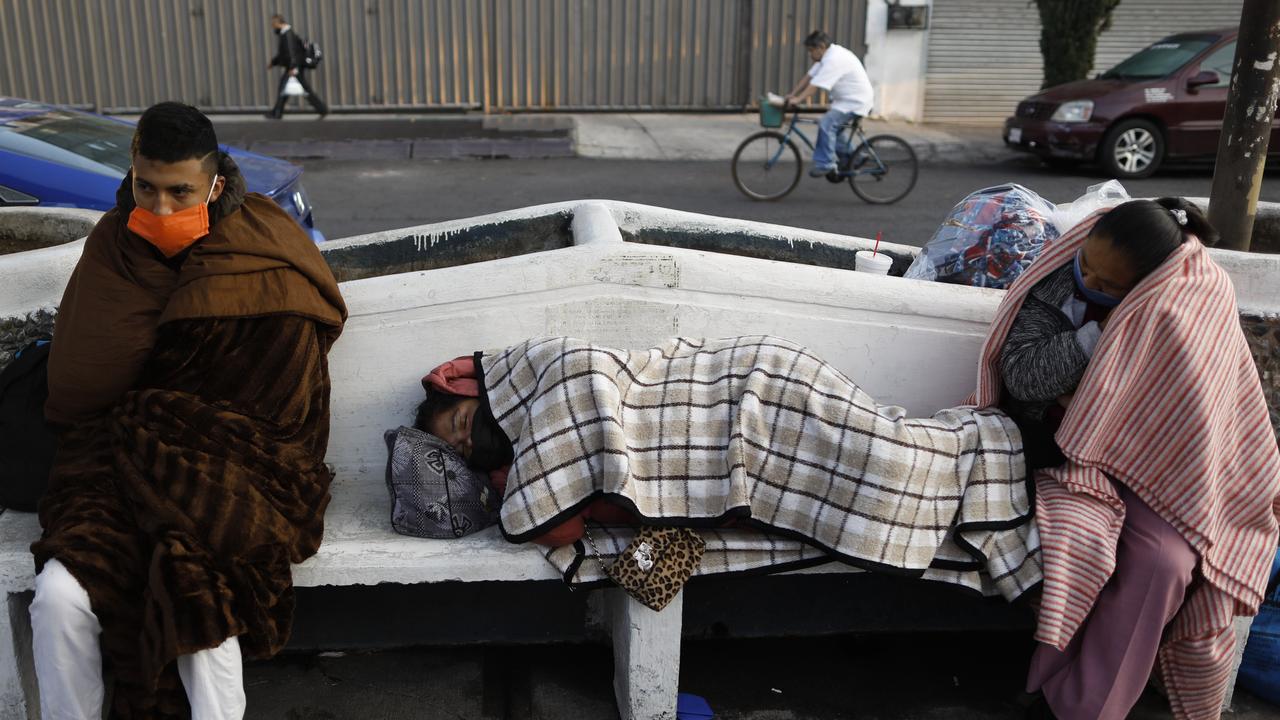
x=175 y=232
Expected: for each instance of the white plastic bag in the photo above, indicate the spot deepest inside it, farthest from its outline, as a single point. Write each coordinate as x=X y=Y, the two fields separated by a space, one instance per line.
x=293 y=88
x=1103 y=195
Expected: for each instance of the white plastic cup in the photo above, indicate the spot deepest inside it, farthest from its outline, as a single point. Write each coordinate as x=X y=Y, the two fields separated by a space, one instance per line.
x=868 y=262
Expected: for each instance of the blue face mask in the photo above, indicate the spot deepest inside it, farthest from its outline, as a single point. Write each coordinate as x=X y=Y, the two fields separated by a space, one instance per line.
x=1097 y=297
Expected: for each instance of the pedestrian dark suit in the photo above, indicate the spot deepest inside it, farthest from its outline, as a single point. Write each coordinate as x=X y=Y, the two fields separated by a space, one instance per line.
x=290 y=55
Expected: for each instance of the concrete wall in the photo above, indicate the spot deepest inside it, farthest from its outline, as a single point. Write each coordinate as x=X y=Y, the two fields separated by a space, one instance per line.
x=26 y=273
x=673 y=247
x=896 y=62
x=23 y=229
x=549 y=227
x=886 y=333
x=398 y=55
x=908 y=342
x=773 y=257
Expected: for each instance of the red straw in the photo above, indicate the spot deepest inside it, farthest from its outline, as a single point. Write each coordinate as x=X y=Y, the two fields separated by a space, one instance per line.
x=877 y=247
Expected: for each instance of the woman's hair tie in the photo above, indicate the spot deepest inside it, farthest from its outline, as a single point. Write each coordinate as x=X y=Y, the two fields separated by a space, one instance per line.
x=1179 y=215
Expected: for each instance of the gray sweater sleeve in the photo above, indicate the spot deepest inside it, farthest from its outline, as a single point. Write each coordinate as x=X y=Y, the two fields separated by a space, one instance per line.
x=1041 y=358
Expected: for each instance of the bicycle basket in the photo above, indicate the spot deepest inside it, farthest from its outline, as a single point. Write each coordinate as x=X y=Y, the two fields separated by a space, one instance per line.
x=770 y=115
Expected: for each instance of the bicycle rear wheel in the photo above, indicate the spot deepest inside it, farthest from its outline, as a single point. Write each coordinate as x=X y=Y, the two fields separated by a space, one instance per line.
x=766 y=166
x=883 y=169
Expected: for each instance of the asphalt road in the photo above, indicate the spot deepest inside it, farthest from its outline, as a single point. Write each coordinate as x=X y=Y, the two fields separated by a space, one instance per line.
x=355 y=197
x=921 y=676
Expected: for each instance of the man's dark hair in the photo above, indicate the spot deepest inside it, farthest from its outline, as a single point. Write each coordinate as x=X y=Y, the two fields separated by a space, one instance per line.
x=1148 y=231
x=817 y=38
x=278 y=18
x=435 y=404
x=171 y=132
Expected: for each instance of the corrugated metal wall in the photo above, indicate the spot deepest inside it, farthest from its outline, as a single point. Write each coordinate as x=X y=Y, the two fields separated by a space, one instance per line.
x=984 y=55
x=614 y=53
x=779 y=27
x=123 y=55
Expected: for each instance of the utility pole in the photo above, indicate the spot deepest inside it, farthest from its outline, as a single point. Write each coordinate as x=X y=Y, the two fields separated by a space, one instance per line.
x=1246 y=126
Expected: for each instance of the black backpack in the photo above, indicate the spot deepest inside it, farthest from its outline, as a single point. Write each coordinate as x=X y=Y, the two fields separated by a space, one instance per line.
x=311 y=54
x=26 y=442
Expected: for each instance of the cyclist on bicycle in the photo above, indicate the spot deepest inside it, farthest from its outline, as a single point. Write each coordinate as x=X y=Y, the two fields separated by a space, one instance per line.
x=838 y=71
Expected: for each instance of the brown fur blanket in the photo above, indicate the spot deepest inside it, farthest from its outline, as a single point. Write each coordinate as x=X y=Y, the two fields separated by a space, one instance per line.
x=191 y=474
x=181 y=510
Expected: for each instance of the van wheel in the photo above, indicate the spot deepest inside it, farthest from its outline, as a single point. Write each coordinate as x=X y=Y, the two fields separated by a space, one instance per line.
x=1132 y=149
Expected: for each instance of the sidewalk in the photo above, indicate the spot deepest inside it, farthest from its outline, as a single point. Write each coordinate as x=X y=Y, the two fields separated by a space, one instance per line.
x=451 y=136
x=635 y=136
x=670 y=136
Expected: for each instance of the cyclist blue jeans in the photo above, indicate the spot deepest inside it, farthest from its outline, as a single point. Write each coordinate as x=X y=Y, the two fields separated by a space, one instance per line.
x=824 y=152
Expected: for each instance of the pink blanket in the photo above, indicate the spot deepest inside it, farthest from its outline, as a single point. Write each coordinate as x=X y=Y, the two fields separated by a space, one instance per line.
x=1171 y=406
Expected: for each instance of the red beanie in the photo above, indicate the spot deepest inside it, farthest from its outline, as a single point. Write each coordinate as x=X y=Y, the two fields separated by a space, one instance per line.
x=457 y=376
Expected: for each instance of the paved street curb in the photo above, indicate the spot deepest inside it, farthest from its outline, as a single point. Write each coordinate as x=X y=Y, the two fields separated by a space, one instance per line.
x=428 y=149
x=397 y=137
x=669 y=136
x=634 y=136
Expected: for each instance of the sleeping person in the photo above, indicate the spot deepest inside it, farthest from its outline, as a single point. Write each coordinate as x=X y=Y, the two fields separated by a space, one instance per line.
x=754 y=431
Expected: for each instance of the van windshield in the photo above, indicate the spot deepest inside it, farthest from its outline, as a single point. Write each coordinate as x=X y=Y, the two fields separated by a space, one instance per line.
x=1160 y=59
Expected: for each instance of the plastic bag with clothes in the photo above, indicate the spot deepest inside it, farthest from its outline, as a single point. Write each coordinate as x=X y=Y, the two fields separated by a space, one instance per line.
x=988 y=239
x=994 y=234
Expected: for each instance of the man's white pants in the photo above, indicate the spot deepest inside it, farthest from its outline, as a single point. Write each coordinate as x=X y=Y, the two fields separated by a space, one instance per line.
x=69 y=661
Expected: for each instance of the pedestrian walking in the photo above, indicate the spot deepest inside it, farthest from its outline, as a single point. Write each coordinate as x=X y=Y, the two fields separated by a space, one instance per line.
x=291 y=54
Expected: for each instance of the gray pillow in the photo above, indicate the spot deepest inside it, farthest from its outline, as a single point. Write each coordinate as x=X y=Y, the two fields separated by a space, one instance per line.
x=433 y=492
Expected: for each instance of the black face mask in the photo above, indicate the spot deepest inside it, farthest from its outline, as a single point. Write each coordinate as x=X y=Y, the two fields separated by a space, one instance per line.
x=490 y=448
x=278 y=31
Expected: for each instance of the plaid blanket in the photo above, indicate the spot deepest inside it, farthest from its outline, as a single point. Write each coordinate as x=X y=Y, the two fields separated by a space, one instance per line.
x=737 y=550
x=759 y=432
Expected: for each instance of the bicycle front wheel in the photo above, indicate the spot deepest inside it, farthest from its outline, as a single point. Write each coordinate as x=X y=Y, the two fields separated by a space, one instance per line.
x=766 y=166
x=883 y=169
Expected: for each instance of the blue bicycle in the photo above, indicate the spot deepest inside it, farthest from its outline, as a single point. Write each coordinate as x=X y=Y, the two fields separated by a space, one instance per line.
x=881 y=169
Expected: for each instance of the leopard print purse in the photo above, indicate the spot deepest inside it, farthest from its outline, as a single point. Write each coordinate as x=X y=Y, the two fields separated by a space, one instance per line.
x=655 y=564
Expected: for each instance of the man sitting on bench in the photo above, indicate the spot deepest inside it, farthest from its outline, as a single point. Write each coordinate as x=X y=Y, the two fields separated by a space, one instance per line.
x=188 y=373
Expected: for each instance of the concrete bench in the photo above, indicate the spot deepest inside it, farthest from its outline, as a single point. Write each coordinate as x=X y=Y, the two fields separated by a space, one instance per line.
x=910 y=343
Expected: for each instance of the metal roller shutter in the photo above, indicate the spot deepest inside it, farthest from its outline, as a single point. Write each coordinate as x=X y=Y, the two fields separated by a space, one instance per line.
x=984 y=55
x=1132 y=28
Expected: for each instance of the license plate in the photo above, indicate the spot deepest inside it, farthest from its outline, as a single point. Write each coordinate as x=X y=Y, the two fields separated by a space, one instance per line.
x=1015 y=135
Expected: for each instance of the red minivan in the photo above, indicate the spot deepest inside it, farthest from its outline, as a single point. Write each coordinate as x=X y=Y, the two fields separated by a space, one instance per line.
x=1164 y=103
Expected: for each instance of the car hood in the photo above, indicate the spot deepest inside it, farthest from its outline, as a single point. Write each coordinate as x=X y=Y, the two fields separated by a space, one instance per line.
x=1081 y=90
x=264 y=174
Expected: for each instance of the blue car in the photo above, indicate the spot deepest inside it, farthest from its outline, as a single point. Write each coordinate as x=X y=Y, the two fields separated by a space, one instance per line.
x=53 y=156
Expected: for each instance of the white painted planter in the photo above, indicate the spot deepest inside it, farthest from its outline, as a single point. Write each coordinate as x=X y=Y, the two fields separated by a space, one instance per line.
x=42 y=227
x=907 y=342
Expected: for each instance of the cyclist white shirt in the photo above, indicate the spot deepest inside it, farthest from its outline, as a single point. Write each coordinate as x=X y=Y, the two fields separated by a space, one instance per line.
x=841 y=74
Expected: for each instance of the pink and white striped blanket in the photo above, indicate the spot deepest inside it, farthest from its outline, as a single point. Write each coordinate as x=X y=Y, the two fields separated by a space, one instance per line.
x=1171 y=406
